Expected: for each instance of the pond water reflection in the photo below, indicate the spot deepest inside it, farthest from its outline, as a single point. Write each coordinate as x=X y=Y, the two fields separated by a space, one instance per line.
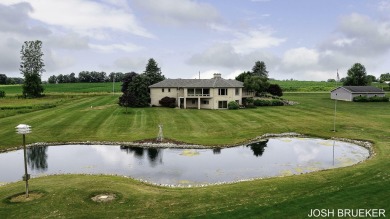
x=274 y=157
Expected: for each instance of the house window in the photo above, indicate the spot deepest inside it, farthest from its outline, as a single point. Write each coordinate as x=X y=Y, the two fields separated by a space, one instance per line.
x=238 y=101
x=222 y=91
x=205 y=102
x=237 y=91
x=191 y=92
x=193 y=101
x=198 y=92
x=162 y=90
x=169 y=89
x=222 y=104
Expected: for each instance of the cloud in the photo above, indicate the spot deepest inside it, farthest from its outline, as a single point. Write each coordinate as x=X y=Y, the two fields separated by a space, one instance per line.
x=384 y=6
x=127 y=64
x=221 y=54
x=179 y=12
x=244 y=49
x=15 y=17
x=10 y=57
x=86 y=17
x=300 y=58
x=365 y=36
x=127 y=47
x=69 y=41
x=254 y=40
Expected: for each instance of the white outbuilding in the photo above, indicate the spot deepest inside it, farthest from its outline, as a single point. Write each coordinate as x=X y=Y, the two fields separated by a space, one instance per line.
x=347 y=93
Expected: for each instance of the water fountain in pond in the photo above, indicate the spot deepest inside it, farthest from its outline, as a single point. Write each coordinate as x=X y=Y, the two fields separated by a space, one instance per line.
x=160 y=136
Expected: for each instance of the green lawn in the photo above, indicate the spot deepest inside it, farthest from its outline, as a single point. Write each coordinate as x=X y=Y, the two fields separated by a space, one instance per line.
x=90 y=118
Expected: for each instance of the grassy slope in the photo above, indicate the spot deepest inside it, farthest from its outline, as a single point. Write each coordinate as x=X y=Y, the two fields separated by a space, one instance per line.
x=362 y=186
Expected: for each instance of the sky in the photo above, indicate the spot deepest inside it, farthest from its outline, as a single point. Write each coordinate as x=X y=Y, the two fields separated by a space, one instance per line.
x=300 y=39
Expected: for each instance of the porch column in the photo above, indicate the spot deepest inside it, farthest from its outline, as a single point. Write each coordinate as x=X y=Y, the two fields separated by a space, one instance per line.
x=185 y=103
x=198 y=102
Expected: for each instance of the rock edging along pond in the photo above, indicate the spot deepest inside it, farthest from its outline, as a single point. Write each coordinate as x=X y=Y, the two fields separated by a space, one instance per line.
x=366 y=144
x=222 y=168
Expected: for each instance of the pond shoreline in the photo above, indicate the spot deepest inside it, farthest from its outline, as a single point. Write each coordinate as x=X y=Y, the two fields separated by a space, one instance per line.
x=150 y=143
x=180 y=145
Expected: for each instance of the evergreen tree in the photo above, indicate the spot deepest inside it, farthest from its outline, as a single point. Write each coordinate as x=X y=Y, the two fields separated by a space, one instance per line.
x=259 y=69
x=31 y=67
x=153 y=72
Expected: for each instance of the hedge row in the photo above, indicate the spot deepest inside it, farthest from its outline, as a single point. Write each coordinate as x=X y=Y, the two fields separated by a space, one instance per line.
x=274 y=102
x=370 y=99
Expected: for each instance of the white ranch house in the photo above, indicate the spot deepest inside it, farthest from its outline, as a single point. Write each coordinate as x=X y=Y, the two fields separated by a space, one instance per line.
x=347 y=93
x=213 y=93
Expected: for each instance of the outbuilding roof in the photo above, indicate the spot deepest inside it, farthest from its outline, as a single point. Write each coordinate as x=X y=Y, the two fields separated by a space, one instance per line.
x=189 y=83
x=361 y=89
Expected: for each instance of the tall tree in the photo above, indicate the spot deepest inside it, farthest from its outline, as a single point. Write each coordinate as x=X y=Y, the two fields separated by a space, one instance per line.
x=153 y=72
x=140 y=87
x=31 y=67
x=259 y=69
x=127 y=79
x=357 y=76
x=128 y=98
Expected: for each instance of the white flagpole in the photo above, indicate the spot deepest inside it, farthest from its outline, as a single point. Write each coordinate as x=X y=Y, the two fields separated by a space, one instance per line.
x=335 y=105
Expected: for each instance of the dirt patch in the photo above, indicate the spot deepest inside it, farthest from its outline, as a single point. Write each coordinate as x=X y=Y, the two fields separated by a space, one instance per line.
x=22 y=197
x=107 y=197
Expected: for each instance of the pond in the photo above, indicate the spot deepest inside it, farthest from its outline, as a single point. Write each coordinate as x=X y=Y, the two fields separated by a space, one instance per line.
x=183 y=167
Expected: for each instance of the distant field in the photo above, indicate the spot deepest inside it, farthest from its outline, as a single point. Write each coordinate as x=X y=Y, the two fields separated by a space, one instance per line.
x=314 y=86
x=287 y=86
x=67 y=88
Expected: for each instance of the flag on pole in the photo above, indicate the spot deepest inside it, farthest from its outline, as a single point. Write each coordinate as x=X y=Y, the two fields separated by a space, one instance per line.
x=338 y=76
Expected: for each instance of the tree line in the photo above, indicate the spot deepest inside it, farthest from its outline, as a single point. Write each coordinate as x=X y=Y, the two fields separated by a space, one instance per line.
x=357 y=76
x=10 y=80
x=86 y=77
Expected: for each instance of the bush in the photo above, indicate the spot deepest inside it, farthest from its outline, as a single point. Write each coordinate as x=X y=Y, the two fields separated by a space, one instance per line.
x=233 y=105
x=2 y=93
x=168 y=102
x=370 y=99
x=275 y=89
x=260 y=102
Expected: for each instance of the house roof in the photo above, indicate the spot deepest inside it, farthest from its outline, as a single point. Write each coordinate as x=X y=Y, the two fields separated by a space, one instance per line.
x=189 y=83
x=361 y=89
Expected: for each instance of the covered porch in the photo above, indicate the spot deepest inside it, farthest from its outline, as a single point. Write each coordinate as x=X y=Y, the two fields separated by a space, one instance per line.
x=199 y=102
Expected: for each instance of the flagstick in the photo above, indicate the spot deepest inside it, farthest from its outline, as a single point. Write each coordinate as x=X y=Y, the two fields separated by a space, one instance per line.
x=334 y=120
x=335 y=104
